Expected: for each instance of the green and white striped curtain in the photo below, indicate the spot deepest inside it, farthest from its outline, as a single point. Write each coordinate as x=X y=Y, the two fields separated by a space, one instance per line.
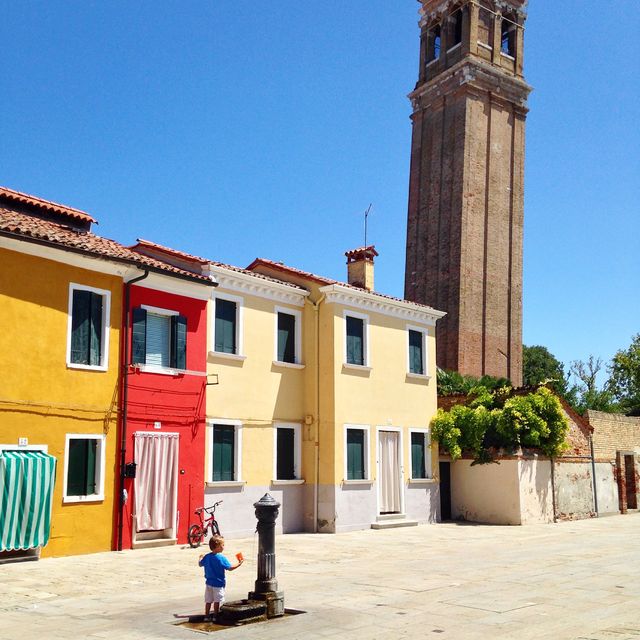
x=26 y=490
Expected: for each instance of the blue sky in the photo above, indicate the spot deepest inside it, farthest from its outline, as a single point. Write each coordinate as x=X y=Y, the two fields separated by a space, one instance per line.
x=236 y=130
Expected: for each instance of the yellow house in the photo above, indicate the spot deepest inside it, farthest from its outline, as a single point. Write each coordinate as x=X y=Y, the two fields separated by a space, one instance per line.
x=61 y=307
x=324 y=394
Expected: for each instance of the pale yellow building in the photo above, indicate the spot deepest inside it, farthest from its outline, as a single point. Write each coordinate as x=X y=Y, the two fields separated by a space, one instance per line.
x=321 y=393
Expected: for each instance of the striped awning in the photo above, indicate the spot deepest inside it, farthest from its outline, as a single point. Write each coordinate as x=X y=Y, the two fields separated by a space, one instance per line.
x=26 y=489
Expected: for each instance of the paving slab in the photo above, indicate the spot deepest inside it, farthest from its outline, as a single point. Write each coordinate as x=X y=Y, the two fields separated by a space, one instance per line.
x=565 y=581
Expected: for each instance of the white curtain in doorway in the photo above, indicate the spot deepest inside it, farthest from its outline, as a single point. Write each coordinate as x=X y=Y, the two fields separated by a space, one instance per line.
x=389 y=472
x=156 y=480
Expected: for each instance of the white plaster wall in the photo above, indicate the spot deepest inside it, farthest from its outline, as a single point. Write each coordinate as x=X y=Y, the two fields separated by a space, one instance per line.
x=422 y=501
x=356 y=506
x=607 y=489
x=236 y=515
x=536 y=497
x=574 y=490
x=488 y=493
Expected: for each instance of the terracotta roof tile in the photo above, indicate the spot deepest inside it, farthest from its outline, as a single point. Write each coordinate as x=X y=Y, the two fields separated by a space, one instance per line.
x=45 y=205
x=31 y=228
x=279 y=266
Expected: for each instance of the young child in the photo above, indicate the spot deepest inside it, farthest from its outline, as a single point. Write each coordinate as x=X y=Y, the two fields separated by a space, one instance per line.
x=215 y=565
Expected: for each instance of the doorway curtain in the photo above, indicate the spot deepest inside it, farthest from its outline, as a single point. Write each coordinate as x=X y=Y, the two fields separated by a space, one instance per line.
x=389 y=472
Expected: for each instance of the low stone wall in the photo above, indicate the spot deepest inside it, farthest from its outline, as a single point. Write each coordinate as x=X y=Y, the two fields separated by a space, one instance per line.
x=574 y=490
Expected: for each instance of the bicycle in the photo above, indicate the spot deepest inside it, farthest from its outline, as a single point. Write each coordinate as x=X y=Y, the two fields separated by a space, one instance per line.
x=198 y=532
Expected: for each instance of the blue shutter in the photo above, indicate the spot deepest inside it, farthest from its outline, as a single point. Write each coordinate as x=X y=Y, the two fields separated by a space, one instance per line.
x=139 y=336
x=179 y=342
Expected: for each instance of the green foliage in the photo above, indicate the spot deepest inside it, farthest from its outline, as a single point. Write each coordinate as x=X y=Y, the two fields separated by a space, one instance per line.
x=498 y=419
x=540 y=366
x=453 y=383
x=624 y=377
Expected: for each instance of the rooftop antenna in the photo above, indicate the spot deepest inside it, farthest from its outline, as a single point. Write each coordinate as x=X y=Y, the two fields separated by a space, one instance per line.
x=366 y=215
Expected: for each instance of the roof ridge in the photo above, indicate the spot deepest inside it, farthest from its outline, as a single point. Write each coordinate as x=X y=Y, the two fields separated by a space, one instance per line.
x=46 y=204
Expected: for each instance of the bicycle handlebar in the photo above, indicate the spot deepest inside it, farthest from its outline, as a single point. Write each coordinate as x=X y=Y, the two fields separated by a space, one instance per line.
x=212 y=508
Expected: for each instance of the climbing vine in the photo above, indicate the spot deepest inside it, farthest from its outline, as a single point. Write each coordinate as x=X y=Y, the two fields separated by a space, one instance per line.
x=497 y=419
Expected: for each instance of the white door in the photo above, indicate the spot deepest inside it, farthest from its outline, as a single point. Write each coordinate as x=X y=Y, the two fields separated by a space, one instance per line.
x=390 y=477
x=156 y=483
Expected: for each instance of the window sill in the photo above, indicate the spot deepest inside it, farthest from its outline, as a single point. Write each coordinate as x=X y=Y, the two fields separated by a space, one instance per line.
x=226 y=483
x=483 y=45
x=357 y=482
x=166 y=371
x=508 y=56
x=81 y=499
x=86 y=367
x=419 y=481
x=227 y=356
x=419 y=376
x=356 y=367
x=286 y=482
x=455 y=46
x=433 y=61
x=288 y=365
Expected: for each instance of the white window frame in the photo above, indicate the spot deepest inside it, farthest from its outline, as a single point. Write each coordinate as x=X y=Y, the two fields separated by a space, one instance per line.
x=154 y=368
x=425 y=356
x=237 y=453
x=297 y=335
x=367 y=453
x=428 y=467
x=100 y=467
x=365 y=333
x=106 y=327
x=239 y=355
x=297 y=452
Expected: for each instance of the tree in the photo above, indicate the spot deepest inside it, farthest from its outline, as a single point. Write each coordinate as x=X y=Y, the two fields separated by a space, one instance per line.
x=590 y=397
x=624 y=377
x=540 y=366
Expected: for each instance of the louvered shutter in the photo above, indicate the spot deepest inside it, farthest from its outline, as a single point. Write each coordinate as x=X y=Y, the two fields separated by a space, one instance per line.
x=179 y=342
x=355 y=340
x=418 y=449
x=139 y=336
x=355 y=454
x=225 y=326
x=416 y=359
x=223 y=453
x=80 y=326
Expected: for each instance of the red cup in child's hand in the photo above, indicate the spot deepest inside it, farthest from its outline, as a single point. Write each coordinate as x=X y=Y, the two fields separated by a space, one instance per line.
x=239 y=557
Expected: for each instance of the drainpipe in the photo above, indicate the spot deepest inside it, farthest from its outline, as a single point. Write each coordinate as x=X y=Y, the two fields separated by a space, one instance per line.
x=593 y=468
x=316 y=443
x=125 y=397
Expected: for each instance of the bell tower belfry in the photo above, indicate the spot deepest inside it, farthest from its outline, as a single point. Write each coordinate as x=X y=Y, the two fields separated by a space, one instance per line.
x=466 y=205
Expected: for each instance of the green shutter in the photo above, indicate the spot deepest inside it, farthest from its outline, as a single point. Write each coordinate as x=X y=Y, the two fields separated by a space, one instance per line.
x=225 y=326
x=355 y=340
x=95 y=330
x=285 y=460
x=286 y=337
x=81 y=467
x=416 y=360
x=418 y=451
x=80 y=321
x=223 y=453
x=179 y=342
x=139 y=336
x=355 y=454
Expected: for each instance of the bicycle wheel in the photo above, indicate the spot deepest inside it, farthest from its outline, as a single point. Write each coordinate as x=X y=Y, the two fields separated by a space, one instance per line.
x=195 y=536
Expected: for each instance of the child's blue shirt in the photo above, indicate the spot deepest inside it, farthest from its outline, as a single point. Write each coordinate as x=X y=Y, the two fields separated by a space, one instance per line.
x=215 y=565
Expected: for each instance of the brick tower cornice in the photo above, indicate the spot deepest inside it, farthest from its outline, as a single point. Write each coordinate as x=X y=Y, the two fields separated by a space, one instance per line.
x=469 y=74
x=436 y=9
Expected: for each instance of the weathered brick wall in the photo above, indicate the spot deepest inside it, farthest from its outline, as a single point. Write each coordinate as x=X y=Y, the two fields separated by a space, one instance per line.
x=613 y=432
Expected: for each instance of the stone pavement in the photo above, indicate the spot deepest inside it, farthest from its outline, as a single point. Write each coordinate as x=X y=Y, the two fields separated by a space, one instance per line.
x=578 y=581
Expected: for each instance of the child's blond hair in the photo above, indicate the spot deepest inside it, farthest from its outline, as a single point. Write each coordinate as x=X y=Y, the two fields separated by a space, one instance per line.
x=214 y=542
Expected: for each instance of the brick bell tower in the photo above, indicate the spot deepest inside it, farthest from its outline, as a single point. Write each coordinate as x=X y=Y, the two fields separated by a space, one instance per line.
x=465 y=222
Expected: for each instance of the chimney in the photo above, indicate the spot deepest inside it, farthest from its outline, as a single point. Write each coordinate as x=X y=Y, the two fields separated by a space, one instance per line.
x=360 y=267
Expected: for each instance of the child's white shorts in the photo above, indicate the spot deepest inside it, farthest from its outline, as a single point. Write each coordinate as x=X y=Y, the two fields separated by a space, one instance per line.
x=213 y=594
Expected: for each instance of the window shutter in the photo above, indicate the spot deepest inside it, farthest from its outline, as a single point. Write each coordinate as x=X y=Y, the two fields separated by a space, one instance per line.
x=158 y=340
x=179 y=342
x=225 y=329
x=285 y=461
x=286 y=337
x=80 y=320
x=355 y=340
x=416 y=360
x=223 y=453
x=418 y=455
x=90 y=476
x=95 y=330
x=139 y=336
x=355 y=454
x=81 y=467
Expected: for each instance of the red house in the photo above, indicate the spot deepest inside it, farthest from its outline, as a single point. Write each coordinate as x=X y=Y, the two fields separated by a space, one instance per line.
x=163 y=399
